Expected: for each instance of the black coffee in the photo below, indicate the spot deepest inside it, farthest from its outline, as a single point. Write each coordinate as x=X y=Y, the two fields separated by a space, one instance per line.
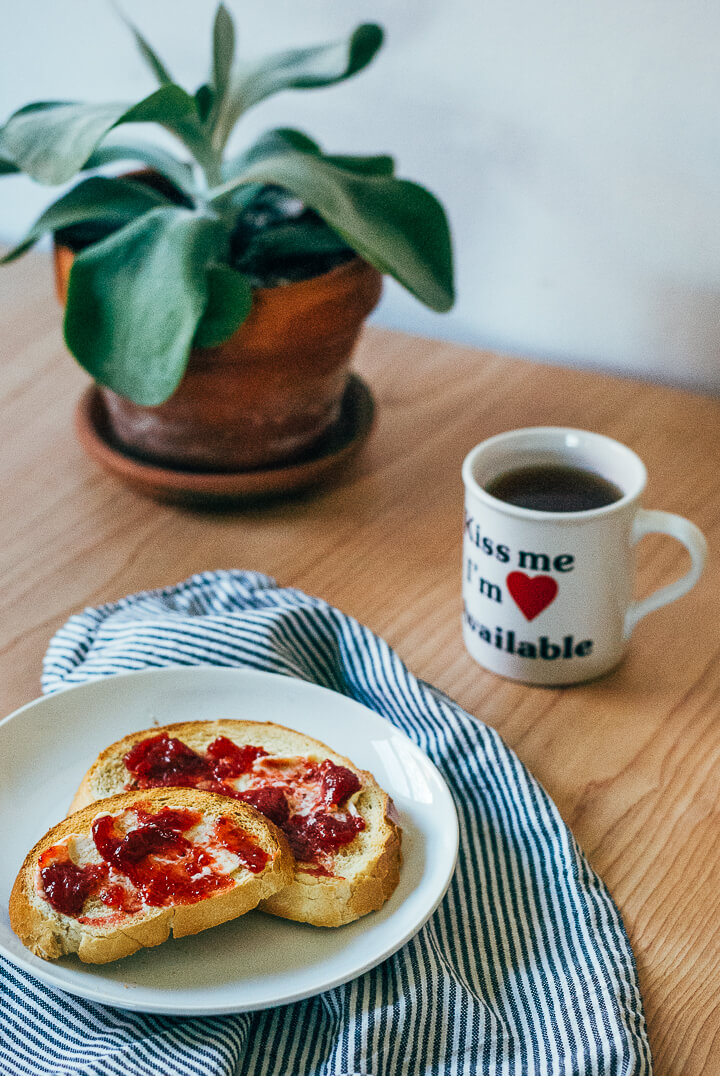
x=554 y=488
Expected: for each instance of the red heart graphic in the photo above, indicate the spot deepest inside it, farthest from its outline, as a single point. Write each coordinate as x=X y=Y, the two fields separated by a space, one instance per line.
x=531 y=594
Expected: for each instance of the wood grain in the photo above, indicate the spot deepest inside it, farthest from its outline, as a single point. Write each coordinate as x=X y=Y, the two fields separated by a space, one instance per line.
x=632 y=760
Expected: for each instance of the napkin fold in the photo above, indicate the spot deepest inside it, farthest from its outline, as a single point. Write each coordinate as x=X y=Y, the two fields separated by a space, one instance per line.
x=524 y=968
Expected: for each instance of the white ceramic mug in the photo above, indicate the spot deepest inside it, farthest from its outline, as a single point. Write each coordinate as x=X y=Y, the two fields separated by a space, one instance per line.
x=548 y=596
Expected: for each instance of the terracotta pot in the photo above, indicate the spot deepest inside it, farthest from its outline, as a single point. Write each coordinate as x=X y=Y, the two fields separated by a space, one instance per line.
x=269 y=393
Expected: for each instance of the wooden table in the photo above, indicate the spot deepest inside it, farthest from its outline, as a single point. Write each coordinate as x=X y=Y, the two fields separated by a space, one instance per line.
x=633 y=760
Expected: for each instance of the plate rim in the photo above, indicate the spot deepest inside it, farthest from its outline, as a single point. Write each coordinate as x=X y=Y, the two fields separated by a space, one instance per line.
x=98 y=996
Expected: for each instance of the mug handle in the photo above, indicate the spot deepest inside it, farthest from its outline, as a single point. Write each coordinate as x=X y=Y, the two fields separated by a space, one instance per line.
x=654 y=522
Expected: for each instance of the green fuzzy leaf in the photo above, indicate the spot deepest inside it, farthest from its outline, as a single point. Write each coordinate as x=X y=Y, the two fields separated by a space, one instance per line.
x=135 y=300
x=229 y=301
x=223 y=53
x=7 y=166
x=35 y=106
x=298 y=238
x=381 y=165
x=283 y=139
x=178 y=172
x=147 y=52
x=285 y=252
x=204 y=100
x=188 y=127
x=277 y=140
x=112 y=201
x=290 y=241
x=396 y=225
x=52 y=141
x=309 y=68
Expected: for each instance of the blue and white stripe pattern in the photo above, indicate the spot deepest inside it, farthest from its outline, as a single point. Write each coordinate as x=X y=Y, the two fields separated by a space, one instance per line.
x=525 y=968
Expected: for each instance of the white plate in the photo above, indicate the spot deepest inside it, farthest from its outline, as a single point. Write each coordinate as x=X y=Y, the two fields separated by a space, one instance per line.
x=256 y=961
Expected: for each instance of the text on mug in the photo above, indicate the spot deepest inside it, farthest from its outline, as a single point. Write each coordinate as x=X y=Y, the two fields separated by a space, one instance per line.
x=535 y=562
x=541 y=648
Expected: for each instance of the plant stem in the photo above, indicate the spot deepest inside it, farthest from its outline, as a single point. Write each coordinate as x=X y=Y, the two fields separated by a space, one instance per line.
x=210 y=164
x=209 y=161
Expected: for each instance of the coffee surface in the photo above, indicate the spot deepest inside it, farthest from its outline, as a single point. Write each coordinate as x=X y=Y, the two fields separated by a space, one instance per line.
x=554 y=488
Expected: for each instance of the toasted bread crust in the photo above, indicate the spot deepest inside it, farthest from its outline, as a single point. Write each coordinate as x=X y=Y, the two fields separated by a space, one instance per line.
x=50 y=935
x=333 y=902
x=363 y=880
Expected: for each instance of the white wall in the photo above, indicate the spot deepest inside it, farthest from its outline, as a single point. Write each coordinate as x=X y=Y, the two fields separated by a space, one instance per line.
x=576 y=144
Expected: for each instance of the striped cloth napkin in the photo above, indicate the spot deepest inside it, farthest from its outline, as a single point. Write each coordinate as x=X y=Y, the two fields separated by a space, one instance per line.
x=524 y=968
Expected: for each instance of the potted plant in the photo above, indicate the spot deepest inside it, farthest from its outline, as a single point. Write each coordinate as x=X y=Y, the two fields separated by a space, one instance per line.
x=216 y=297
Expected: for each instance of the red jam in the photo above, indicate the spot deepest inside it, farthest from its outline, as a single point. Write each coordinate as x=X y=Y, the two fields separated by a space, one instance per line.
x=163 y=866
x=228 y=760
x=270 y=801
x=317 y=833
x=68 y=886
x=161 y=760
x=227 y=834
x=338 y=782
x=320 y=834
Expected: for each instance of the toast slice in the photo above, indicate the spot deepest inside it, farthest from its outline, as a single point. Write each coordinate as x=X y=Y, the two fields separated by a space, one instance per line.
x=338 y=821
x=120 y=875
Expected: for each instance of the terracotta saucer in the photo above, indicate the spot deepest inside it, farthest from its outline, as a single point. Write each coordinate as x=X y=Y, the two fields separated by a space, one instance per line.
x=202 y=488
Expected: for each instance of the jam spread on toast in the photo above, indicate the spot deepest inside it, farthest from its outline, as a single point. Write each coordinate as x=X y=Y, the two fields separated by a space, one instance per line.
x=147 y=859
x=162 y=760
x=309 y=835
x=67 y=886
x=306 y=799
